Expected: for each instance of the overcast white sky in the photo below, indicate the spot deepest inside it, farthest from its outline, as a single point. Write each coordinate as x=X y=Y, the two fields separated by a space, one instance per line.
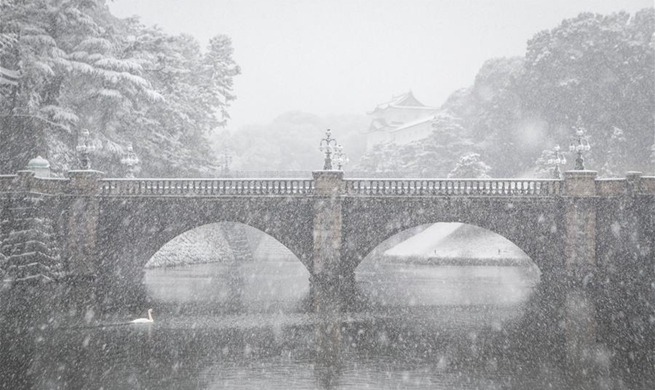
x=345 y=56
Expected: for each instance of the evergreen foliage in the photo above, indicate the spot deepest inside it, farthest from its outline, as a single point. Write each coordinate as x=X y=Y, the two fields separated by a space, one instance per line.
x=598 y=68
x=81 y=67
x=470 y=166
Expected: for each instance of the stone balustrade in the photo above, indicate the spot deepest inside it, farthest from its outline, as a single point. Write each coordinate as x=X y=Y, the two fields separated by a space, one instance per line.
x=446 y=187
x=349 y=187
x=205 y=187
x=647 y=185
x=610 y=187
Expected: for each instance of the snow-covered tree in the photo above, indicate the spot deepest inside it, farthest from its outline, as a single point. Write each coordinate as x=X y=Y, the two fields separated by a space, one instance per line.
x=81 y=67
x=599 y=68
x=616 y=154
x=544 y=169
x=469 y=166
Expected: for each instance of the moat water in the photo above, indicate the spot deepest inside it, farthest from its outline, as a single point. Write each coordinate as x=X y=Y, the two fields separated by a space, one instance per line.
x=246 y=326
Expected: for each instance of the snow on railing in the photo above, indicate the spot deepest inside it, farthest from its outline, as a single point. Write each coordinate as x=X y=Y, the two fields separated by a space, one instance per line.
x=206 y=187
x=475 y=187
x=610 y=186
x=50 y=185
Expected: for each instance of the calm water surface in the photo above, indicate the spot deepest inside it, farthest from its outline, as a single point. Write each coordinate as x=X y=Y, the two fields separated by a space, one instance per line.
x=246 y=326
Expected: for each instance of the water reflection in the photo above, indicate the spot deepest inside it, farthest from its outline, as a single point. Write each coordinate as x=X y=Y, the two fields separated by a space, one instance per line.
x=417 y=327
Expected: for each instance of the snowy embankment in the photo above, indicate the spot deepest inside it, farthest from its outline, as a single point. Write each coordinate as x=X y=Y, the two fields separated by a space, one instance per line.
x=457 y=244
x=206 y=244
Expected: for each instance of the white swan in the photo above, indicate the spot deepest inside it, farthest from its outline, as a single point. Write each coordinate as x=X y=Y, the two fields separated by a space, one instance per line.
x=144 y=320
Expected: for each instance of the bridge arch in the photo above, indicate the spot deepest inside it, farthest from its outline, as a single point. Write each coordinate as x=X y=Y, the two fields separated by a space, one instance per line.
x=448 y=242
x=225 y=267
x=535 y=226
x=132 y=230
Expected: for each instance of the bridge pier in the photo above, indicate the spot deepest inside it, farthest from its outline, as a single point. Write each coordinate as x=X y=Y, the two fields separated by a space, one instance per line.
x=80 y=244
x=581 y=272
x=328 y=282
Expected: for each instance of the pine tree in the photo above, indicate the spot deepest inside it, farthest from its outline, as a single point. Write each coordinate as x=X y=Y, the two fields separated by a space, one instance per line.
x=470 y=166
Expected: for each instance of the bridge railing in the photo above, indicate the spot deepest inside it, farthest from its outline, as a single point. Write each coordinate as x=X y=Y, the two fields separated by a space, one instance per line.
x=610 y=187
x=648 y=184
x=206 y=187
x=476 y=187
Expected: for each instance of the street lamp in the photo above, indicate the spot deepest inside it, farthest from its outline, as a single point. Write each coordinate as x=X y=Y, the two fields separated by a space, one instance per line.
x=340 y=157
x=557 y=161
x=84 y=147
x=328 y=146
x=580 y=144
x=131 y=160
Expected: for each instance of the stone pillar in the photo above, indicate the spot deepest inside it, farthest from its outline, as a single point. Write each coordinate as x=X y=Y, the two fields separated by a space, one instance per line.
x=580 y=245
x=23 y=181
x=327 y=279
x=580 y=262
x=633 y=181
x=80 y=249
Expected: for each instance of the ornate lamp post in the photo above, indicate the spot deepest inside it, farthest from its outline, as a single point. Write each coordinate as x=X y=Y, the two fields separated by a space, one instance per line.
x=84 y=147
x=340 y=157
x=580 y=144
x=328 y=146
x=557 y=161
x=131 y=160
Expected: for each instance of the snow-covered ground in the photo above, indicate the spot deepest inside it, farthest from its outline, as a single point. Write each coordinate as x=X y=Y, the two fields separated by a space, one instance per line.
x=455 y=243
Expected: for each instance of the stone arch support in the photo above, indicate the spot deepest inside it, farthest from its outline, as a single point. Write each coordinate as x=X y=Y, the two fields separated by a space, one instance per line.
x=131 y=230
x=534 y=225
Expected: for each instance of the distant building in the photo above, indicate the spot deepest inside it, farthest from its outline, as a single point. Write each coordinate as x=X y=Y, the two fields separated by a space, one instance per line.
x=401 y=120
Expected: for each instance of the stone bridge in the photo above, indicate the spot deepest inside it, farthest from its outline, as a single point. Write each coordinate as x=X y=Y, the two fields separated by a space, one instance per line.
x=580 y=231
